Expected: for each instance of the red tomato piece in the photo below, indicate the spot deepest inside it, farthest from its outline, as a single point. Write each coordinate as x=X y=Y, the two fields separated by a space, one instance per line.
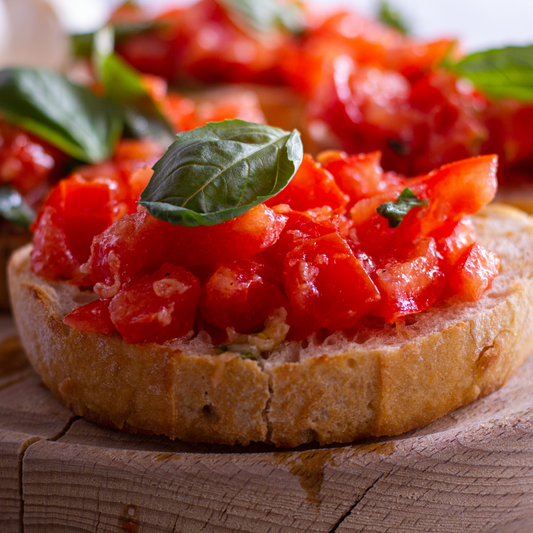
x=140 y=241
x=51 y=256
x=327 y=283
x=88 y=210
x=410 y=281
x=299 y=227
x=474 y=272
x=158 y=307
x=92 y=317
x=456 y=189
x=240 y=295
x=461 y=236
x=312 y=186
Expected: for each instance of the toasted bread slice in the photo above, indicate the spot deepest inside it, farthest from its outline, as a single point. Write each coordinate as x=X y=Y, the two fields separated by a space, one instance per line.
x=370 y=381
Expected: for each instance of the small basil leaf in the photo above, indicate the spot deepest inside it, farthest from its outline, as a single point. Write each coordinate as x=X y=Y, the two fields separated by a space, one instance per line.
x=395 y=211
x=124 y=85
x=392 y=18
x=66 y=115
x=220 y=171
x=266 y=15
x=82 y=43
x=500 y=73
x=14 y=208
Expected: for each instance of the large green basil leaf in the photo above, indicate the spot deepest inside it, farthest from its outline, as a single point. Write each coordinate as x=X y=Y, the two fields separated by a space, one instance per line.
x=500 y=73
x=124 y=86
x=266 y=15
x=14 y=208
x=220 y=171
x=64 y=114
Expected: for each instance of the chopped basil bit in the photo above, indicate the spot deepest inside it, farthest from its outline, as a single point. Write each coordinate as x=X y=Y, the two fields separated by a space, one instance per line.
x=399 y=147
x=392 y=17
x=395 y=211
x=14 y=208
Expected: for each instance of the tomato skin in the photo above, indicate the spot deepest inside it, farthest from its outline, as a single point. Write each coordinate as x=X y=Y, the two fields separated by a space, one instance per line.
x=158 y=307
x=140 y=241
x=455 y=240
x=326 y=282
x=298 y=228
x=360 y=176
x=93 y=317
x=474 y=272
x=240 y=295
x=51 y=256
x=312 y=186
x=409 y=281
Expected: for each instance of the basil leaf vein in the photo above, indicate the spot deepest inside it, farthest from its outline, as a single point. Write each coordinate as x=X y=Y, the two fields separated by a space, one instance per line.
x=220 y=171
x=14 y=208
x=64 y=114
x=500 y=73
x=394 y=212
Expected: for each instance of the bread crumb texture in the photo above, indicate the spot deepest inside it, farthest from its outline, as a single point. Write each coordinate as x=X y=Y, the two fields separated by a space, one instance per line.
x=372 y=381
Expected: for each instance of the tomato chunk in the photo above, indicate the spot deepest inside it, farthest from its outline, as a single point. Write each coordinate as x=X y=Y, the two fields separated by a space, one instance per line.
x=409 y=282
x=326 y=282
x=142 y=242
x=92 y=317
x=158 y=307
x=240 y=295
x=474 y=272
x=51 y=256
x=312 y=186
x=360 y=176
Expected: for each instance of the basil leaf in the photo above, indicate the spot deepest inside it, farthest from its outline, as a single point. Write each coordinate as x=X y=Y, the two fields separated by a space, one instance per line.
x=220 y=171
x=124 y=85
x=82 y=43
x=266 y=15
x=14 y=208
x=395 y=211
x=66 y=115
x=392 y=18
x=500 y=73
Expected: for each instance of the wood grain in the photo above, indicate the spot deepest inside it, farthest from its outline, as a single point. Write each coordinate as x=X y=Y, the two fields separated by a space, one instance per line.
x=469 y=471
x=28 y=413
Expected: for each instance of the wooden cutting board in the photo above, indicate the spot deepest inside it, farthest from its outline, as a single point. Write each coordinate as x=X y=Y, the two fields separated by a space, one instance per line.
x=469 y=471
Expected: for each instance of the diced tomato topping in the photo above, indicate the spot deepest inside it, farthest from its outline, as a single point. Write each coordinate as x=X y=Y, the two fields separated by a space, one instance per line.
x=240 y=295
x=457 y=239
x=93 y=317
x=312 y=186
x=158 y=307
x=140 y=241
x=410 y=281
x=360 y=176
x=51 y=256
x=299 y=227
x=328 y=284
x=474 y=272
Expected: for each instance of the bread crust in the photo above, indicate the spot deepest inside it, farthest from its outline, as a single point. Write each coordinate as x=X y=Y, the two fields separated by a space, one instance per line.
x=355 y=384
